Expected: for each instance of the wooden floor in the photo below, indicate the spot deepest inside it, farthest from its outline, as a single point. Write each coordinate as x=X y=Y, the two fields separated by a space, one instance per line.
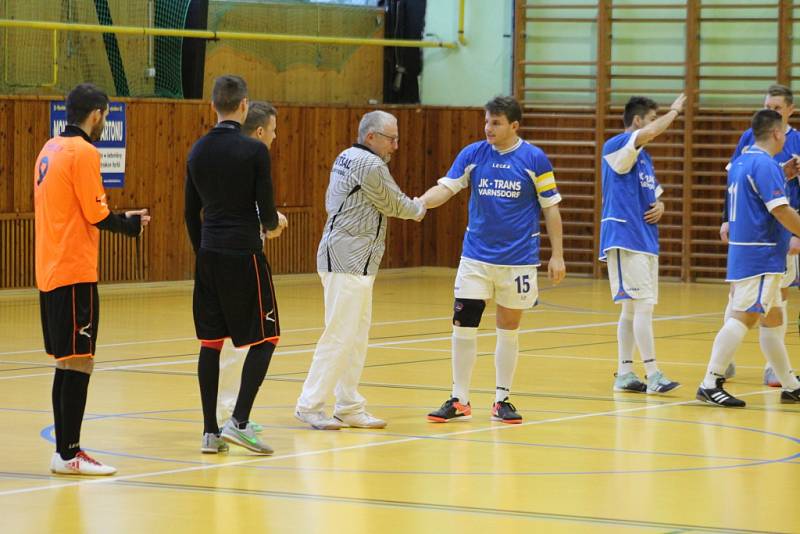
x=585 y=460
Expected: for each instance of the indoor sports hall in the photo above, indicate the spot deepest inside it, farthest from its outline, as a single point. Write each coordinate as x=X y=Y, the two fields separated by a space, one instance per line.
x=584 y=457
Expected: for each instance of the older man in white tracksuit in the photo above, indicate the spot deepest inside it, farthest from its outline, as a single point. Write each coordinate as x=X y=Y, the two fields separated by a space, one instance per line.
x=361 y=196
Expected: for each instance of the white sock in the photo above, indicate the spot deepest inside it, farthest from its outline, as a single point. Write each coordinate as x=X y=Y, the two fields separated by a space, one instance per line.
x=643 y=333
x=728 y=339
x=506 y=353
x=782 y=327
x=465 y=352
x=774 y=348
x=625 y=339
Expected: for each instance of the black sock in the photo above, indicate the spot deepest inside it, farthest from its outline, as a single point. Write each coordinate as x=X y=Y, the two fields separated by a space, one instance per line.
x=253 y=373
x=58 y=380
x=74 y=388
x=208 y=376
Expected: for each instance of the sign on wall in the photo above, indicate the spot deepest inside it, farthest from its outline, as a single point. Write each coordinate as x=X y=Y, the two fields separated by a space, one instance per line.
x=111 y=146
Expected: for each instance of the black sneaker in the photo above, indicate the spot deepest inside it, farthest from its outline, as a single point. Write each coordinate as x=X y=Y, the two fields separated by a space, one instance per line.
x=505 y=412
x=790 y=397
x=451 y=410
x=719 y=396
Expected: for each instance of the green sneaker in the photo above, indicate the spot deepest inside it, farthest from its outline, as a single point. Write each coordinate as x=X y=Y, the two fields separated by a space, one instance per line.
x=629 y=382
x=244 y=437
x=258 y=429
x=658 y=383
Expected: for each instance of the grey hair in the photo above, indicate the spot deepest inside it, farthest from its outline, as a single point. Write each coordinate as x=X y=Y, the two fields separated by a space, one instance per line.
x=374 y=121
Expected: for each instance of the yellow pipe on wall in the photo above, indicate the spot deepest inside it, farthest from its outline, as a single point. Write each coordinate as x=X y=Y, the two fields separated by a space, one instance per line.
x=461 y=39
x=214 y=35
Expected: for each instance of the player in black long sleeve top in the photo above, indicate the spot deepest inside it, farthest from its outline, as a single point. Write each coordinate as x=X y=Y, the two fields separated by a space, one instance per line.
x=225 y=173
x=228 y=179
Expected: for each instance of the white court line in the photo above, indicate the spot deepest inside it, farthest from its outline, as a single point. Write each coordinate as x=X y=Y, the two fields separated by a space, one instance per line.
x=316 y=328
x=528 y=353
x=207 y=467
x=385 y=344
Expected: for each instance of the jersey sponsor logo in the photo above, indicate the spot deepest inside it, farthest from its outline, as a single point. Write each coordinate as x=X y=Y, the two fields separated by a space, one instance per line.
x=499 y=188
x=647 y=181
x=44 y=166
x=501 y=166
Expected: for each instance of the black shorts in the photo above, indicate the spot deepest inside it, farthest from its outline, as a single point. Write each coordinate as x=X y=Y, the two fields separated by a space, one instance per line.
x=234 y=297
x=70 y=315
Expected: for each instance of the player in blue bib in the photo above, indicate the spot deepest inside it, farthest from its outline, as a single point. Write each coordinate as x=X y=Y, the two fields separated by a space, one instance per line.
x=779 y=98
x=760 y=219
x=629 y=239
x=511 y=183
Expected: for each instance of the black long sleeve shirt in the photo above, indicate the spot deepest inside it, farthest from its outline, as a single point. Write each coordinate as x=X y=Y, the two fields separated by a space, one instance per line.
x=228 y=177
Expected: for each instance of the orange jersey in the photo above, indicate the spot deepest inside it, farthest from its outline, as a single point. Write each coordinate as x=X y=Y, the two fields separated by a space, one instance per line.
x=69 y=200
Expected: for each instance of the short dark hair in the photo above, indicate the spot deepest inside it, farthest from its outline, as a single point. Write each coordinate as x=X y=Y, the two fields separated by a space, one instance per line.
x=764 y=122
x=228 y=93
x=84 y=99
x=257 y=115
x=505 y=105
x=781 y=90
x=637 y=106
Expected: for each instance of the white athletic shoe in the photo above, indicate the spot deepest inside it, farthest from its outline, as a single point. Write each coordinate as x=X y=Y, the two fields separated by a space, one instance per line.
x=82 y=464
x=360 y=420
x=319 y=420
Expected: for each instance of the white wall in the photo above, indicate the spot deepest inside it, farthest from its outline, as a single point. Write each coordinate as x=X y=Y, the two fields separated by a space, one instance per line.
x=472 y=74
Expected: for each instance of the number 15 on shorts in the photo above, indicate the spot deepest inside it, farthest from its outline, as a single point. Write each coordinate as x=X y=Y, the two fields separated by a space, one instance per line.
x=523 y=283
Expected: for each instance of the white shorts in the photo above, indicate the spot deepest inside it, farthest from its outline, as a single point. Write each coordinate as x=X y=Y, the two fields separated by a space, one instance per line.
x=758 y=294
x=633 y=275
x=792 y=276
x=511 y=286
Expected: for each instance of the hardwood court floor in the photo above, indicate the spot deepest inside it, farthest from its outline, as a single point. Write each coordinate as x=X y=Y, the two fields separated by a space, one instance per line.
x=585 y=460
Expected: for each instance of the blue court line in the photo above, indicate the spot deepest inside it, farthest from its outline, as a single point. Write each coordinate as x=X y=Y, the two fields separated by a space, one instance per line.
x=46 y=433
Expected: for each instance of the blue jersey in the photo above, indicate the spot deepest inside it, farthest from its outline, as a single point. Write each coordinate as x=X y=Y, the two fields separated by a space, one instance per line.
x=758 y=243
x=790 y=148
x=630 y=189
x=509 y=188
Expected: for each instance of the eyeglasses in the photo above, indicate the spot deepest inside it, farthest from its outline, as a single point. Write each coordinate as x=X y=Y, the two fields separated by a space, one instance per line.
x=392 y=138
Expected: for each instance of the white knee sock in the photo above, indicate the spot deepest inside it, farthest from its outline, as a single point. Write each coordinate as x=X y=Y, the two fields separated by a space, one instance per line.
x=774 y=348
x=728 y=339
x=782 y=328
x=643 y=333
x=465 y=352
x=505 y=361
x=625 y=339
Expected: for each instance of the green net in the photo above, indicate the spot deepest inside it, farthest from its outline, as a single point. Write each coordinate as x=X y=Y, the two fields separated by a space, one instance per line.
x=296 y=18
x=51 y=62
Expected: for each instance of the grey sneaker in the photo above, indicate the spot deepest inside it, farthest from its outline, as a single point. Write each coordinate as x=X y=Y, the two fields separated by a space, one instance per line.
x=212 y=444
x=319 y=420
x=629 y=382
x=360 y=420
x=658 y=383
x=770 y=378
x=730 y=372
x=245 y=437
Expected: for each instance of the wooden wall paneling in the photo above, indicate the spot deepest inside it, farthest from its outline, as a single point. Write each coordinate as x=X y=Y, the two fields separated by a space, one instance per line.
x=292 y=185
x=6 y=155
x=404 y=243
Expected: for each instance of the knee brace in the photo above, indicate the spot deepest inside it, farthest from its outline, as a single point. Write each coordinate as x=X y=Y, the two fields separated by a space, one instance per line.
x=468 y=312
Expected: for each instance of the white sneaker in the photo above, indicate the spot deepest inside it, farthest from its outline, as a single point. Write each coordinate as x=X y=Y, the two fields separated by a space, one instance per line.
x=361 y=420
x=82 y=464
x=319 y=420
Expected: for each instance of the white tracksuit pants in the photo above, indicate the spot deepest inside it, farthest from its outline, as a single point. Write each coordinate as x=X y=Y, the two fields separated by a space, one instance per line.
x=342 y=349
